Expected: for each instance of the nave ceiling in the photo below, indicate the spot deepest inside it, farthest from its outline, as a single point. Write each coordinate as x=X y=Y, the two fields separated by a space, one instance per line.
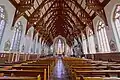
x=67 y=18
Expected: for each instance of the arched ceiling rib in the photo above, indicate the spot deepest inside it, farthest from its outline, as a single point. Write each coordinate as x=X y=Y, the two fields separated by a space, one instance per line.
x=67 y=18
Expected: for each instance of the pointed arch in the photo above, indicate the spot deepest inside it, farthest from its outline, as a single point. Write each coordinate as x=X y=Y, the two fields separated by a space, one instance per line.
x=102 y=37
x=17 y=37
x=115 y=19
x=63 y=41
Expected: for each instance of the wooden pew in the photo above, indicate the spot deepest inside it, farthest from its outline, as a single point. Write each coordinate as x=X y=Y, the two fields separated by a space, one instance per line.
x=26 y=68
x=3 y=64
x=114 y=67
x=45 y=68
x=98 y=73
x=29 y=68
x=98 y=78
x=92 y=68
x=43 y=63
x=25 y=73
x=18 y=78
x=48 y=63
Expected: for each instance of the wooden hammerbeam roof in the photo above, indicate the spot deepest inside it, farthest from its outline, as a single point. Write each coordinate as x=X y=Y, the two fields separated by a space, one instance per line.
x=67 y=18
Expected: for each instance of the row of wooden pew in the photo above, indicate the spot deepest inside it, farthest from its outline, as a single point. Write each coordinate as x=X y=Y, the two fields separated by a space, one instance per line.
x=27 y=70
x=87 y=69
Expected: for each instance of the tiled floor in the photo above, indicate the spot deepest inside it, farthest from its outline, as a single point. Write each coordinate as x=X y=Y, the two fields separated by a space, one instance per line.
x=60 y=73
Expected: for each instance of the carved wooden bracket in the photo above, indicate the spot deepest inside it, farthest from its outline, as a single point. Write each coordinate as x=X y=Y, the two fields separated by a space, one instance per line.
x=21 y=7
x=96 y=5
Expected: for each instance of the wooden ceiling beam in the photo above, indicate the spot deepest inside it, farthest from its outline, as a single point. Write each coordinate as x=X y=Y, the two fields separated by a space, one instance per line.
x=37 y=2
x=14 y=3
x=21 y=8
x=45 y=14
x=73 y=13
x=85 y=17
x=105 y=2
x=38 y=19
x=48 y=20
x=98 y=8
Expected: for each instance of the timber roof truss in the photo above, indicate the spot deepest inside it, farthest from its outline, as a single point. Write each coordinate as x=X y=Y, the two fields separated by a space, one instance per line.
x=67 y=18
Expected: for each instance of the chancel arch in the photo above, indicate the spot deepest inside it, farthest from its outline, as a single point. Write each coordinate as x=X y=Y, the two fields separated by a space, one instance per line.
x=59 y=45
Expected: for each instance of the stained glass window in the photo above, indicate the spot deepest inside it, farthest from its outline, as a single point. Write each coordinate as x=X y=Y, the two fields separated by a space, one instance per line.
x=117 y=23
x=102 y=37
x=2 y=21
x=17 y=37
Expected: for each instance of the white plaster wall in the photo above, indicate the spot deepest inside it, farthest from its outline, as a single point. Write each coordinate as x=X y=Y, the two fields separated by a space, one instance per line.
x=8 y=33
x=37 y=46
x=27 y=44
x=40 y=49
x=36 y=43
x=32 y=43
x=46 y=49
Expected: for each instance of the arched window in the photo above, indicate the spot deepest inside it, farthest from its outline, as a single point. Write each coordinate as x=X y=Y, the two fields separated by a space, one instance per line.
x=91 y=42
x=84 y=42
x=17 y=37
x=117 y=20
x=2 y=21
x=116 y=28
x=102 y=38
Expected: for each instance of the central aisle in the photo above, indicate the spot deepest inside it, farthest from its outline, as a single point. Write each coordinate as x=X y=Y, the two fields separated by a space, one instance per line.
x=60 y=73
